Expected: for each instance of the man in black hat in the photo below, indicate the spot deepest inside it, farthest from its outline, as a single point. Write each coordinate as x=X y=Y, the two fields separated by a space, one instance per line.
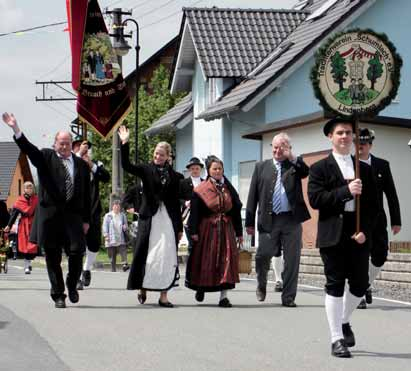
x=98 y=174
x=187 y=185
x=385 y=184
x=332 y=187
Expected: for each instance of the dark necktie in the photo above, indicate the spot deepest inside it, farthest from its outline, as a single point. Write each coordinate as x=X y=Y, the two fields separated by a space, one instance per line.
x=67 y=180
x=277 y=190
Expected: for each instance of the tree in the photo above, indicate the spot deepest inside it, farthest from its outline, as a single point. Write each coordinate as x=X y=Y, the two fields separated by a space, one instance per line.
x=338 y=70
x=375 y=69
x=151 y=108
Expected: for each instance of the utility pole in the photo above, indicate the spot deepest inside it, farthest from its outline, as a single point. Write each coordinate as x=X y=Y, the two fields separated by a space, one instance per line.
x=117 y=180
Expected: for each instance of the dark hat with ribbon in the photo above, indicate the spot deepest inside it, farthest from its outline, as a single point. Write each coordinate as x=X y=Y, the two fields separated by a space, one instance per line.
x=79 y=142
x=329 y=125
x=194 y=161
x=366 y=136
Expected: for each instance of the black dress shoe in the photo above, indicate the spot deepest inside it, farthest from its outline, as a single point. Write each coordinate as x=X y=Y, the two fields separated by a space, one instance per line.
x=289 y=303
x=60 y=303
x=73 y=296
x=278 y=286
x=80 y=285
x=368 y=296
x=261 y=293
x=225 y=303
x=142 y=297
x=126 y=267
x=349 y=337
x=362 y=305
x=86 y=278
x=199 y=296
x=339 y=349
x=166 y=304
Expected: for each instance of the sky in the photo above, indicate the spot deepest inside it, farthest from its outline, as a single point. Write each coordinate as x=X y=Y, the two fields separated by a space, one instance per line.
x=44 y=54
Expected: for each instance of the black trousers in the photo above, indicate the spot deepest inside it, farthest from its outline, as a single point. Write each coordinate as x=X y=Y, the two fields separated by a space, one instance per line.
x=347 y=260
x=379 y=242
x=93 y=236
x=55 y=272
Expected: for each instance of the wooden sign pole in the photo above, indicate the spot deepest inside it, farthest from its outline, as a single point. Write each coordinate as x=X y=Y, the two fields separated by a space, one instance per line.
x=357 y=172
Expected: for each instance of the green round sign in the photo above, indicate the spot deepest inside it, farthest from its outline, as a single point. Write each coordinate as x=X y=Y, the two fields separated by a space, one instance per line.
x=356 y=73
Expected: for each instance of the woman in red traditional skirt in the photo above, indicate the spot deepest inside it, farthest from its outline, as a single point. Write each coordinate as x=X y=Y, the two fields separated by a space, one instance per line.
x=25 y=207
x=216 y=230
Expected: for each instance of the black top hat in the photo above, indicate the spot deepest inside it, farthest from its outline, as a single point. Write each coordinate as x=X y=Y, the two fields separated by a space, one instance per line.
x=366 y=136
x=329 y=125
x=79 y=141
x=194 y=161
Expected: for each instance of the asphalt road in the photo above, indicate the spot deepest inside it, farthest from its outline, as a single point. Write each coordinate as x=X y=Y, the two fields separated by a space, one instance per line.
x=109 y=330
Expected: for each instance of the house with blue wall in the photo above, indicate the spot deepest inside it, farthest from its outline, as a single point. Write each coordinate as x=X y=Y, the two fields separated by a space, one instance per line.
x=248 y=74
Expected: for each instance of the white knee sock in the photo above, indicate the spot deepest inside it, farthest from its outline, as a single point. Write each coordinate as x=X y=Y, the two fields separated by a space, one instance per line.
x=26 y=264
x=334 y=310
x=350 y=303
x=90 y=259
x=278 y=266
x=373 y=272
x=223 y=294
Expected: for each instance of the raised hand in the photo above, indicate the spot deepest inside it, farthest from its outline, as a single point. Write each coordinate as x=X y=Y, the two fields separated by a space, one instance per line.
x=11 y=121
x=124 y=134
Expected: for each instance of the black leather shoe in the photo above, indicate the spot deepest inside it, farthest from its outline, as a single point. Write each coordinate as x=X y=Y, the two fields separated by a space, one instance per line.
x=278 y=286
x=368 y=296
x=362 y=305
x=60 y=303
x=126 y=267
x=80 y=285
x=339 y=349
x=349 y=337
x=289 y=303
x=261 y=293
x=199 y=296
x=86 y=278
x=73 y=296
x=141 y=297
x=166 y=304
x=225 y=303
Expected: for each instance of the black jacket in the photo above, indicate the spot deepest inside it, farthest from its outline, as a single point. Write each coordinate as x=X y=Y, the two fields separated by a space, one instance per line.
x=100 y=176
x=153 y=192
x=262 y=188
x=53 y=211
x=328 y=192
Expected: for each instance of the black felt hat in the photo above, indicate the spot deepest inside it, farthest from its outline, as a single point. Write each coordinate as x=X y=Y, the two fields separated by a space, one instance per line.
x=80 y=141
x=366 y=136
x=194 y=161
x=329 y=125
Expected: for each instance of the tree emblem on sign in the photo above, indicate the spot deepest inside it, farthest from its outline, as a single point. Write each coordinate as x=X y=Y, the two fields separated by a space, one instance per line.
x=338 y=69
x=375 y=69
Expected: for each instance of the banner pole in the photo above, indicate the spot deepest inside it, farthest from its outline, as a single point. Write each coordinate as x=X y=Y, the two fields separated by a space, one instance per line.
x=357 y=172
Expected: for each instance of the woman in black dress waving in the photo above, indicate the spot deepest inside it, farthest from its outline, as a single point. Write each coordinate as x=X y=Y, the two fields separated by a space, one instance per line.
x=155 y=266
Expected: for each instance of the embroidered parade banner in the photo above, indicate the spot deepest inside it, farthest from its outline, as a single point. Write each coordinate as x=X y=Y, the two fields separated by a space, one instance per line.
x=102 y=100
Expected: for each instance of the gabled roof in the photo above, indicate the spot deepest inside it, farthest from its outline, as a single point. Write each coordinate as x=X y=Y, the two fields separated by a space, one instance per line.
x=303 y=41
x=231 y=42
x=182 y=110
x=9 y=154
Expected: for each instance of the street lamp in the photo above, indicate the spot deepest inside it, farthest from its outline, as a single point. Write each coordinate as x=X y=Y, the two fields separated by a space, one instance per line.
x=122 y=46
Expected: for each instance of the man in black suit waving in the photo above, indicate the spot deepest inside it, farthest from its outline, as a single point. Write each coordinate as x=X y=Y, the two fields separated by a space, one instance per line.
x=385 y=185
x=276 y=189
x=332 y=187
x=63 y=215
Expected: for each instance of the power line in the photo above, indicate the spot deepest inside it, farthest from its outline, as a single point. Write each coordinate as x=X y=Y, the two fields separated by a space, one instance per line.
x=157 y=8
x=142 y=4
x=64 y=60
x=34 y=28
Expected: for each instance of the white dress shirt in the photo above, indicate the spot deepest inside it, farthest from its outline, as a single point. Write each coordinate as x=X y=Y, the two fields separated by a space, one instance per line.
x=196 y=181
x=346 y=165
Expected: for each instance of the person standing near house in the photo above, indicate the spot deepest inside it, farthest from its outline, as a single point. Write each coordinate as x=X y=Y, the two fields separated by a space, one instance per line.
x=63 y=214
x=277 y=191
x=332 y=188
x=187 y=185
x=385 y=185
x=24 y=209
x=216 y=232
x=98 y=175
x=155 y=266
x=114 y=231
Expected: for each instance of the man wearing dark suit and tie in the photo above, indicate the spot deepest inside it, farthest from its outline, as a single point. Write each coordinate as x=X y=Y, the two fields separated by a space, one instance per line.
x=332 y=188
x=63 y=214
x=277 y=191
x=385 y=185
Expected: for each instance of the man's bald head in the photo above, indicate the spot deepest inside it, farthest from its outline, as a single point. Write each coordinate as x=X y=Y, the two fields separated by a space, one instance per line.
x=62 y=143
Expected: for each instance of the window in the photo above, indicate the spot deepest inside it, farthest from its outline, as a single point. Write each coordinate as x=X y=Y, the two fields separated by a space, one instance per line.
x=245 y=173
